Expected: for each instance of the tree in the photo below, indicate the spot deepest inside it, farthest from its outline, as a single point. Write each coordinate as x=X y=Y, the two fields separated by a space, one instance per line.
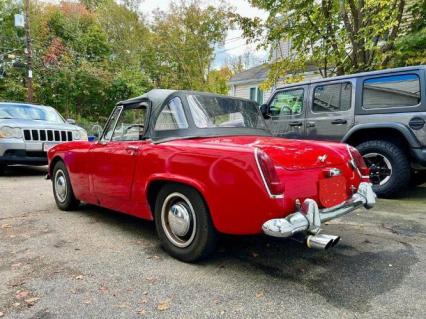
x=338 y=36
x=411 y=47
x=182 y=44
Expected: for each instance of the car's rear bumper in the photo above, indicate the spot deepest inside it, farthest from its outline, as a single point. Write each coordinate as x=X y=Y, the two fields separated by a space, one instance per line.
x=309 y=217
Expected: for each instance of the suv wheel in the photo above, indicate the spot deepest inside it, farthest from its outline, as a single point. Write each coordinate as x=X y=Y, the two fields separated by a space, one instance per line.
x=389 y=166
x=183 y=223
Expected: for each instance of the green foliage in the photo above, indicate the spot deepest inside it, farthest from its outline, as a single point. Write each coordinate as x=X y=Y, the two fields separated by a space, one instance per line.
x=338 y=36
x=89 y=55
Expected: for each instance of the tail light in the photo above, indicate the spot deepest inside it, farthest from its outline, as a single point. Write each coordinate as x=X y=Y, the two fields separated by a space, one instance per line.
x=358 y=162
x=269 y=174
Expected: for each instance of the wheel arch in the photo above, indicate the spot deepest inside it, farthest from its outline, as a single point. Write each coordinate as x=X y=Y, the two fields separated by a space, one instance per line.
x=393 y=132
x=52 y=164
x=155 y=184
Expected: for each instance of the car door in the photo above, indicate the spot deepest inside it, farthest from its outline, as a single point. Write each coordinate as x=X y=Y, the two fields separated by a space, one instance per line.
x=114 y=157
x=331 y=111
x=287 y=110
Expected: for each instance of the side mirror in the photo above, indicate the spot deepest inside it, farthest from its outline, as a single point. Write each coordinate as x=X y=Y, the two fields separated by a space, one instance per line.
x=264 y=109
x=71 y=121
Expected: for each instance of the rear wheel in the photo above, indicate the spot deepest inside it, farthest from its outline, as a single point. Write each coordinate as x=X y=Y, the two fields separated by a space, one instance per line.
x=183 y=223
x=62 y=188
x=389 y=166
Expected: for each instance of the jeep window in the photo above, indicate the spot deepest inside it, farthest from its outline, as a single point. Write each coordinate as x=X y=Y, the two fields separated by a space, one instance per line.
x=289 y=102
x=217 y=111
x=391 y=91
x=130 y=125
x=172 y=117
x=332 y=97
x=30 y=112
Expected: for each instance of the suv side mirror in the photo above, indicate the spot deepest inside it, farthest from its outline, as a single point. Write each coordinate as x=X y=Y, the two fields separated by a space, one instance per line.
x=264 y=109
x=71 y=121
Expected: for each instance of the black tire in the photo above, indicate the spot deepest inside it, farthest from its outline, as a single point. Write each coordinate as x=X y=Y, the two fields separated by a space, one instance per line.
x=200 y=238
x=400 y=175
x=2 y=168
x=68 y=201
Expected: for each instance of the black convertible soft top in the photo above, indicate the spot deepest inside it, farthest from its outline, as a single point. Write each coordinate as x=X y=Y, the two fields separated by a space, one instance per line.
x=156 y=99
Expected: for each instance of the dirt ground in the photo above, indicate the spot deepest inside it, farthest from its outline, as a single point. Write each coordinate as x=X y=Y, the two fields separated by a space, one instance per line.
x=97 y=263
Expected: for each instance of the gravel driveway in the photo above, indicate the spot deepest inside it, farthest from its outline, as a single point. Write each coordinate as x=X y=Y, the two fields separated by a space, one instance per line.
x=97 y=263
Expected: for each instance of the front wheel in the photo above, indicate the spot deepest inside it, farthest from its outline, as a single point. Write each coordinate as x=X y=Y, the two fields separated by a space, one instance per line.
x=62 y=188
x=389 y=166
x=183 y=223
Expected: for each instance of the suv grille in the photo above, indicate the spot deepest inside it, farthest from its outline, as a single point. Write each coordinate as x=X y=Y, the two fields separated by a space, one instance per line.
x=48 y=135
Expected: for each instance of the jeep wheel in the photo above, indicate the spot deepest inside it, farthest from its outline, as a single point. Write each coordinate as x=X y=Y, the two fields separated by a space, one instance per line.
x=389 y=166
x=183 y=223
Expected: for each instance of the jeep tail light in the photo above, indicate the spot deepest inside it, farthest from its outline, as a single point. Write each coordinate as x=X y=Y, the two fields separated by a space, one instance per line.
x=269 y=174
x=358 y=161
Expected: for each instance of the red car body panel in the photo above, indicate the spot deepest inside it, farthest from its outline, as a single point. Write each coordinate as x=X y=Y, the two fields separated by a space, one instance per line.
x=117 y=175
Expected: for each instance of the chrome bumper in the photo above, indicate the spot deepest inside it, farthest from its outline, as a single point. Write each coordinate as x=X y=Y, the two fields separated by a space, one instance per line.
x=310 y=217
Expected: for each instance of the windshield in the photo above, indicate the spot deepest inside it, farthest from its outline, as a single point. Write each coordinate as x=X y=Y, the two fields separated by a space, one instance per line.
x=216 y=111
x=28 y=112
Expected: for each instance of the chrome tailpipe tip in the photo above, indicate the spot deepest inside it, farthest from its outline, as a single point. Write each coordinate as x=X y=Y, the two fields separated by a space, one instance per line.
x=322 y=241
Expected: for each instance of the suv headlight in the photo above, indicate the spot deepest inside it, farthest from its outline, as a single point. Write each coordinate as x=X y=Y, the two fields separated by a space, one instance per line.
x=80 y=135
x=10 y=132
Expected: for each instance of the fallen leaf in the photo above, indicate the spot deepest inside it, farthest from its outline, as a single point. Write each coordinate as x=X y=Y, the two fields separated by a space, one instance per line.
x=104 y=289
x=143 y=301
x=155 y=257
x=151 y=279
x=31 y=301
x=16 y=304
x=141 y=312
x=162 y=306
x=6 y=226
x=259 y=294
x=87 y=302
x=20 y=294
x=1 y=314
x=79 y=277
x=16 y=265
x=123 y=305
x=145 y=293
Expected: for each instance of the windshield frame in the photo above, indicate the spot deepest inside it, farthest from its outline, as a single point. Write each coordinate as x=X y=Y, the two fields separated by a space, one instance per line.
x=40 y=108
x=195 y=132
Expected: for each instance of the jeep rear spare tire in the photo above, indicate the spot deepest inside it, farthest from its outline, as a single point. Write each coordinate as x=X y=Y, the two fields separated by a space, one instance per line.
x=389 y=166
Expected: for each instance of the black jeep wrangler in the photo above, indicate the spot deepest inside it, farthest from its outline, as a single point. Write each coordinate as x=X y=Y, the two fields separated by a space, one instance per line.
x=381 y=113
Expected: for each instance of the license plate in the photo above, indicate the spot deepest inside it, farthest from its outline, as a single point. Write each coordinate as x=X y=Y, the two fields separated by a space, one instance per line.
x=332 y=191
x=48 y=146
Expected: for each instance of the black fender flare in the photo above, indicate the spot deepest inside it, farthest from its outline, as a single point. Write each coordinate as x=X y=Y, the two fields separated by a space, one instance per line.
x=401 y=128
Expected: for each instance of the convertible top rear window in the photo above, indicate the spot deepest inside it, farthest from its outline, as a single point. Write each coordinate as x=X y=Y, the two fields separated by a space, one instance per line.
x=210 y=111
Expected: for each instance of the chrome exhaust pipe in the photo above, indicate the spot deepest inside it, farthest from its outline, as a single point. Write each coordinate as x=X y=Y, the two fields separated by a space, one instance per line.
x=322 y=241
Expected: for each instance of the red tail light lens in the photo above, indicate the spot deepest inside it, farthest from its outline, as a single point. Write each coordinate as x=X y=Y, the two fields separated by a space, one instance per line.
x=359 y=162
x=269 y=174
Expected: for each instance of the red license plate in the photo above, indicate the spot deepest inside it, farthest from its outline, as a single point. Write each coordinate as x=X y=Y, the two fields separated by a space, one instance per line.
x=332 y=191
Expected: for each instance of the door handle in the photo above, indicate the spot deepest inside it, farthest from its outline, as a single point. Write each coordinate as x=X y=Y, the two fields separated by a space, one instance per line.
x=311 y=124
x=295 y=123
x=339 y=121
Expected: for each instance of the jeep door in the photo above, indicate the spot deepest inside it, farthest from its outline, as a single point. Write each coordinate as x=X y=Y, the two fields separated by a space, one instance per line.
x=287 y=111
x=331 y=111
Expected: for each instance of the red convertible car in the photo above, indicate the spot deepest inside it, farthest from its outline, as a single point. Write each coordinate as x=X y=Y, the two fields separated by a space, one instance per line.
x=201 y=164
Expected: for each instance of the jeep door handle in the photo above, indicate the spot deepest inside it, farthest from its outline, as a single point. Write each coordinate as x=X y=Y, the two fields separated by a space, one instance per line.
x=311 y=124
x=295 y=123
x=339 y=121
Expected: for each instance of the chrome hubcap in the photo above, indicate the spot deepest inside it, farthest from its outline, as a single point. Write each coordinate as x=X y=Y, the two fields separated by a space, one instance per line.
x=60 y=186
x=380 y=168
x=178 y=220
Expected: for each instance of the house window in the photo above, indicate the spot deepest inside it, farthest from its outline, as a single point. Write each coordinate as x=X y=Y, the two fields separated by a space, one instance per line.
x=253 y=94
x=256 y=95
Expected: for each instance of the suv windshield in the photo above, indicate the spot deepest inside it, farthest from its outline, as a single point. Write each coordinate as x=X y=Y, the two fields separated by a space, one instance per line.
x=28 y=112
x=215 y=111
